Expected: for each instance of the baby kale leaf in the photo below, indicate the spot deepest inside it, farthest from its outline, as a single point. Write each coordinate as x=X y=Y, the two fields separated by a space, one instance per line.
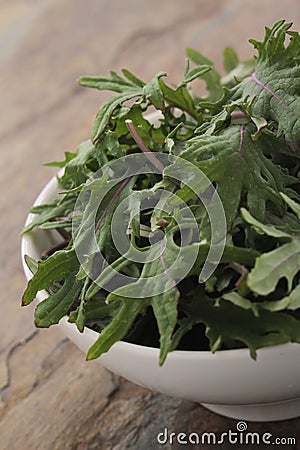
x=274 y=87
x=238 y=167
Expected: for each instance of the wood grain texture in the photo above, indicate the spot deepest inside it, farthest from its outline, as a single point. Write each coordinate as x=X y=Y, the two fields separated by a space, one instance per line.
x=50 y=398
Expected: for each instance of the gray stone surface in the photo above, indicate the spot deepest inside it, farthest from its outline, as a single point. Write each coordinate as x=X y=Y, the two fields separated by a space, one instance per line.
x=50 y=398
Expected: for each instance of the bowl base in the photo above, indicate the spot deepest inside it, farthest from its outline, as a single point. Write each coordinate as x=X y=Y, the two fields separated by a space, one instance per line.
x=266 y=412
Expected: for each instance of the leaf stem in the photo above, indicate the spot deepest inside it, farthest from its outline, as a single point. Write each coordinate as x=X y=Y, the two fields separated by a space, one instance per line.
x=266 y=88
x=138 y=139
x=63 y=233
x=56 y=248
x=116 y=194
x=239 y=115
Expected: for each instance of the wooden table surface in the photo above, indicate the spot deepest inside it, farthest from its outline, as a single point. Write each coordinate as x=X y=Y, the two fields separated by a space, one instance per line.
x=50 y=398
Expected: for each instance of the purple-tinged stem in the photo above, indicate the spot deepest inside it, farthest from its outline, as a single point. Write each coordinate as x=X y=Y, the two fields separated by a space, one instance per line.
x=116 y=194
x=145 y=150
x=56 y=248
x=134 y=133
x=239 y=115
x=266 y=88
x=61 y=218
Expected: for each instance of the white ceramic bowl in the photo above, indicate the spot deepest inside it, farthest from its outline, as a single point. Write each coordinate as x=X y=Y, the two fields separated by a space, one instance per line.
x=228 y=382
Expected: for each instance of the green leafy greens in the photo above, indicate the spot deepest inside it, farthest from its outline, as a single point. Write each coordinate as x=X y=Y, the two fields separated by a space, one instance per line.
x=245 y=137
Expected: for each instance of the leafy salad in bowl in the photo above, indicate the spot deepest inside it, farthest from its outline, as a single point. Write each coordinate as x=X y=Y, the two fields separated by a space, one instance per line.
x=126 y=233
